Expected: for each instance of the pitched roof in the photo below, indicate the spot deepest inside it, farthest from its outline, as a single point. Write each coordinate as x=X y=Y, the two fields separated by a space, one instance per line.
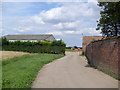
x=29 y=37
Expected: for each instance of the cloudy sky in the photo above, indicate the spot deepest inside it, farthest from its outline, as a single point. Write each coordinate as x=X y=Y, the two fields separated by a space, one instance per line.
x=68 y=21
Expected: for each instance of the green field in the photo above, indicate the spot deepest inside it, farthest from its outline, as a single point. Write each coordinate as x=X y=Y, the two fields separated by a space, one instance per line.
x=20 y=72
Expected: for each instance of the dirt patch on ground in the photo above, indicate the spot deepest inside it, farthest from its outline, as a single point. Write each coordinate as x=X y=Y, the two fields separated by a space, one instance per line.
x=10 y=54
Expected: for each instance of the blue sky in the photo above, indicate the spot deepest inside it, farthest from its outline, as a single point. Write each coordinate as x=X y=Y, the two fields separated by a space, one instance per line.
x=65 y=20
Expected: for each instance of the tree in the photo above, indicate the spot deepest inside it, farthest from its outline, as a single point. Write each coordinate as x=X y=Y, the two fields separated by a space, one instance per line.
x=75 y=47
x=109 y=23
x=4 y=41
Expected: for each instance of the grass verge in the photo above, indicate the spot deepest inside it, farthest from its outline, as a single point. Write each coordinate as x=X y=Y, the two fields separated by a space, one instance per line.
x=110 y=74
x=20 y=72
x=81 y=55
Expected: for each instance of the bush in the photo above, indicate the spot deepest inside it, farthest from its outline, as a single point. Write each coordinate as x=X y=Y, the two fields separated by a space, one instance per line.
x=35 y=47
x=68 y=47
x=3 y=41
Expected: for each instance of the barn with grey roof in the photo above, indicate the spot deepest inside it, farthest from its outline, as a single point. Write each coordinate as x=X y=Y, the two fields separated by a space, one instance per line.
x=32 y=38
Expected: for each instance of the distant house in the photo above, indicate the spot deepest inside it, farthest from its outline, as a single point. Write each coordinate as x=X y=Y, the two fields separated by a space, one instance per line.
x=31 y=38
x=88 y=39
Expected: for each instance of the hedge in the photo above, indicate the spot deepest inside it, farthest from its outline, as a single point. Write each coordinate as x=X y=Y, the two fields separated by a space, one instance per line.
x=68 y=47
x=34 y=47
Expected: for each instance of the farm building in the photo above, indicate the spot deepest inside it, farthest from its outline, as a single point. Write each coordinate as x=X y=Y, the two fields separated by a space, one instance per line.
x=31 y=38
x=88 y=39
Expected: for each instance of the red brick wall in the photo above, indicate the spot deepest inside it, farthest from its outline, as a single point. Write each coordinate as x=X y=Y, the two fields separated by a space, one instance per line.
x=104 y=55
x=87 y=40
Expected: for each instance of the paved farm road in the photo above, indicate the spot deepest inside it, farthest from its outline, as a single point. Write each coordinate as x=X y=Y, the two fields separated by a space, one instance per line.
x=72 y=71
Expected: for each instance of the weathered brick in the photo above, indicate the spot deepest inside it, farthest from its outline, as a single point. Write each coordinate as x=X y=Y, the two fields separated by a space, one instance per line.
x=105 y=55
x=88 y=39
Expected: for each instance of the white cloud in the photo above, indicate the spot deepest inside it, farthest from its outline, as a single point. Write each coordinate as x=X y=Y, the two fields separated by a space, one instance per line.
x=37 y=20
x=23 y=29
x=93 y=1
x=55 y=33
x=67 y=25
x=67 y=21
x=70 y=16
x=69 y=32
x=59 y=25
x=86 y=31
x=67 y=13
x=48 y=1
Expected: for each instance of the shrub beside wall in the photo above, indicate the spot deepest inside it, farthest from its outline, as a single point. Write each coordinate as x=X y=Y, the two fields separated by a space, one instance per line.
x=104 y=55
x=35 y=47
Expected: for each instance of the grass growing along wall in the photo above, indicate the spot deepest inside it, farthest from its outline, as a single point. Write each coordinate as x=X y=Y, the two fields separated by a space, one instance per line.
x=20 y=72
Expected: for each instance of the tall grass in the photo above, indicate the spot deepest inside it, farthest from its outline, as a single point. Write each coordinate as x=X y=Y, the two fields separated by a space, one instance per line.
x=20 y=72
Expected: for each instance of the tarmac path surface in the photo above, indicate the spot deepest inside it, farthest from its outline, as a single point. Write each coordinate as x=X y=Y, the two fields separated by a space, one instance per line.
x=72 y=71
